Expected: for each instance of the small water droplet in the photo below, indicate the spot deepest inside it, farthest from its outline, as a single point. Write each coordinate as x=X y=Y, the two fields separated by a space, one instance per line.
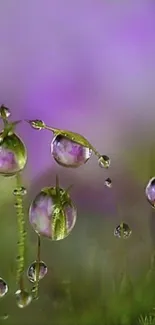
x=23 y=298
x=68 y=153
x=104 y=161
x=4 y=317
x=150 y=192
x=3 y=288
x=108 y=182
x=37 y=124
x=4 y=112
x=20 y=191
x=32 y=271
x=122 y=231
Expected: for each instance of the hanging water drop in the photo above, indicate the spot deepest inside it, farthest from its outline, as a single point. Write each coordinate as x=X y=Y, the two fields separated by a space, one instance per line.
x=4 y=112
x=37 y=124
x=13 y=155
x=108 y=182
x=150 y=192
x=32 y=271
x=122 y=231
x=68 y=153
x=50 y=216
x=3 y=288
x=104 y=161
x=20 y=191
x=23 y=298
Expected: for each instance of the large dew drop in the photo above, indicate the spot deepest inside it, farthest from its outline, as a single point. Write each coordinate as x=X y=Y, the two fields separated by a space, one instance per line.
x=23 y=298
x=3 y=288
x=32 y=271
x=150 y=192
x=13 y=155
x=51 y=218
x=68 y=153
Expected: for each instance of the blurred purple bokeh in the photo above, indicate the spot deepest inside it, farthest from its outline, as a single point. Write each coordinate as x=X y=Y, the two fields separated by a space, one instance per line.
x=88 y=66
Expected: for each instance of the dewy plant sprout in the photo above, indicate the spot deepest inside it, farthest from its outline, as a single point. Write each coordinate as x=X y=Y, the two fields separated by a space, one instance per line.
x=52 y=214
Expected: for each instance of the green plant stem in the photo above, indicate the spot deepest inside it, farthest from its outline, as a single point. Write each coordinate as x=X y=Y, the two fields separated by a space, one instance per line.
x=21 y=234
x=36 y=286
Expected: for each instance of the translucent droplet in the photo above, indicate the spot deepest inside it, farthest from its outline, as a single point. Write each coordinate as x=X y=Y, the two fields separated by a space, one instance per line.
x=49 y=218
x=3 y=288
x=122 y=231
x=150 y=192
x=23 y=298
x=104 y=161
x=32 y=271
x=37 y=124
x=4 y=112
x=4 y=317
x=108 y=182
x=68 y=153
x=13 y=155
x=20 y=191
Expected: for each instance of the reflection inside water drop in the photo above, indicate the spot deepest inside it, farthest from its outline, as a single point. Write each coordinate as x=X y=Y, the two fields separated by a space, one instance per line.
x=108 y=182
x=3 y=288
x=122 y=231
x=68 y=153
x=104 y=161
x=23 y=298
x=32 y=271
x=150 y=192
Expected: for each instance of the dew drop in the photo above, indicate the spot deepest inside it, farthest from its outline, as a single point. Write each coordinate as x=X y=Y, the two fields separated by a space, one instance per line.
x=122 y=231
x=150 y=192
x=104 y=161
x=46 y=217
x=108 y=182
x=23 y=298
x=37 y=124
x=4 y=112
x=20 y=191
x=3 y=288
x=32 y=271
x=68 y=153
x=13 y=155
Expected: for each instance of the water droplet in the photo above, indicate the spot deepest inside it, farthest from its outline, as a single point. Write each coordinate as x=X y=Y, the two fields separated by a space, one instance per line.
x=108 y=182
x=32 y=271
x=122 y=231
x=37 y=124
x=23 y=298
x=3 y=288
x=68 y=153
x=150 y=192
x=13 y=155
x=4 y=112
x=50 y=217
x=20 y=191
x=4 y=317
x=104 y=161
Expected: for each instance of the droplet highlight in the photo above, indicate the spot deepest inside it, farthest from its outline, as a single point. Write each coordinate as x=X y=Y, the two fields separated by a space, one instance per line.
x=104 y=161
x=108 y=182
x=122 y=231
x=23 y=298
x=13 y=155
x=32 y=271
x=3 y=288
x=37 y=124
x=20 y=191
x=68 y=153
x=150 y=192
x=52 y=216
x=4 y=112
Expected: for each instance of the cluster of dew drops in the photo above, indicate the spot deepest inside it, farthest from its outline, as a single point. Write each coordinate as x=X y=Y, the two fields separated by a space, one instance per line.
x=52 y=213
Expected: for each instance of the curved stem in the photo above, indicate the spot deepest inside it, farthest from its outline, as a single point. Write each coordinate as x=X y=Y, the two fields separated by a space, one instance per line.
x=21 y=234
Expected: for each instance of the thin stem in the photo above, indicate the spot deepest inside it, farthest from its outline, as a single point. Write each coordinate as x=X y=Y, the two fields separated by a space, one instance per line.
x=36 y=286
x=21 y=233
